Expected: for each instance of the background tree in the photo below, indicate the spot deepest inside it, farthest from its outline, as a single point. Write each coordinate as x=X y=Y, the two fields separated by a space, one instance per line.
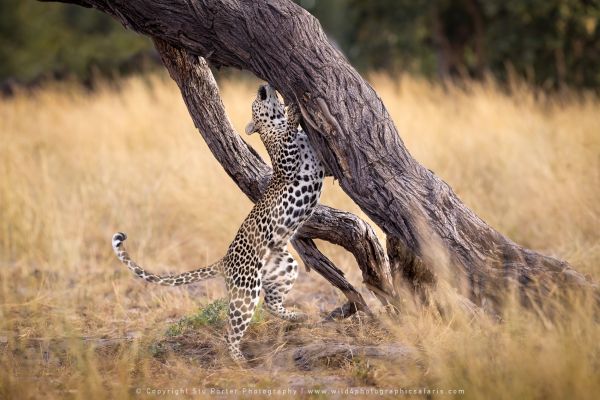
x=548 y=42
x=57 y=40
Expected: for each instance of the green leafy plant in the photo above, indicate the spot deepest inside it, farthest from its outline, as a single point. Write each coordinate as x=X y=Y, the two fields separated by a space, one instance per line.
x=212 y=315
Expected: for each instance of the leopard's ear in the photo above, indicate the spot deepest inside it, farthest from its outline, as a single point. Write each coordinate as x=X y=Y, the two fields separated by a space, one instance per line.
x=250 y=129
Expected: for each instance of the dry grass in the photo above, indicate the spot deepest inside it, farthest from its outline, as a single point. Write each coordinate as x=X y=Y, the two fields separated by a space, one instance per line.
x=76 y=166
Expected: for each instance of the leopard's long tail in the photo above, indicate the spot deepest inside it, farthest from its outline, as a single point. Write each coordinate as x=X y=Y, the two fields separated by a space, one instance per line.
x=184 y=278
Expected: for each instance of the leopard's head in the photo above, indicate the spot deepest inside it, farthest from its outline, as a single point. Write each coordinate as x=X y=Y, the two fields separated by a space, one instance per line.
x=267 y=112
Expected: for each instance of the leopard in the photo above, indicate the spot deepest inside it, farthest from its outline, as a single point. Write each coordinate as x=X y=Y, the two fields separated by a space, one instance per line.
x=258 y=257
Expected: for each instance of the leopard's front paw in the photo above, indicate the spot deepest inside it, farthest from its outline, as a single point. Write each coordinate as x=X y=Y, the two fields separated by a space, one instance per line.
x=294 y=115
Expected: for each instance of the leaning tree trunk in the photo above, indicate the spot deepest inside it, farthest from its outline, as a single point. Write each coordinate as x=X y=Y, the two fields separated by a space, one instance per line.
x=200 y=93
x=431 y=234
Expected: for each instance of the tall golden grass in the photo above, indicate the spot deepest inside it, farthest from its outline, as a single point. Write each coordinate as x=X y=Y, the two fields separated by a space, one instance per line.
x=77 y=166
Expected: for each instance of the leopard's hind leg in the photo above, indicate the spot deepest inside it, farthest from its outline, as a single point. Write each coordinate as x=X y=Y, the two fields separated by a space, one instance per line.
x=244 y=289
x=278 y=279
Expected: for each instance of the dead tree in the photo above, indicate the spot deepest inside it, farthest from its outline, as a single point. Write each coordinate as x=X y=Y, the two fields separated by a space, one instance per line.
x=431 y=234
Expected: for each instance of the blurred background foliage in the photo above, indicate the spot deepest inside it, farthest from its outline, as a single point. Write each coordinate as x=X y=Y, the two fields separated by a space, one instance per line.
x=550 y=43
x=48 y=40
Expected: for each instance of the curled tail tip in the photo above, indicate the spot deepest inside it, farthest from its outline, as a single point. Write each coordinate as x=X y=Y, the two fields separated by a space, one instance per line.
x=118 y=239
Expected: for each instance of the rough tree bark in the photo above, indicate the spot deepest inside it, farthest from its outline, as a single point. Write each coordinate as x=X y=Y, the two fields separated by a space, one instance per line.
x=431 y=234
